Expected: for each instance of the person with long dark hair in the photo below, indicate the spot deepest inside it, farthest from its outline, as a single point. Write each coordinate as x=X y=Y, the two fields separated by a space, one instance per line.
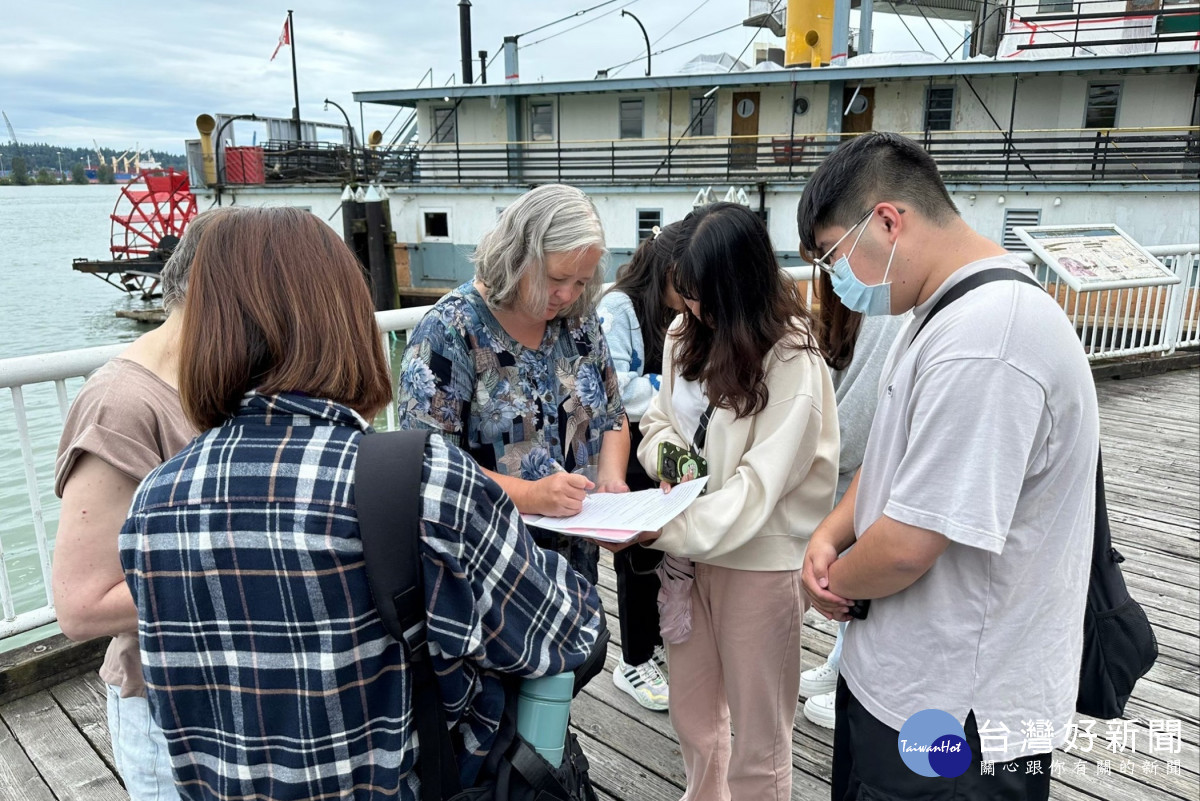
x=855 y=347
x=742 y=361
x=634 y=316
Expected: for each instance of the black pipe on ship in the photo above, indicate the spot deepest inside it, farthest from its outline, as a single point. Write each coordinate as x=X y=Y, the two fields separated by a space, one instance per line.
x=464 y=37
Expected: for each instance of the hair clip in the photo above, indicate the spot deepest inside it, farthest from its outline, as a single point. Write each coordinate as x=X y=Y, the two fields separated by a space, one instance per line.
x=655 y=231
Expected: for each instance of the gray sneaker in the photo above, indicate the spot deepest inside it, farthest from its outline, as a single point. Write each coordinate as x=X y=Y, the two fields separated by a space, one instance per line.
x=644 y=682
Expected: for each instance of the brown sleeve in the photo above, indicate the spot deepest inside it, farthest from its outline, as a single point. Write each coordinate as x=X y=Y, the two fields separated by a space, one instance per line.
x=113 y=419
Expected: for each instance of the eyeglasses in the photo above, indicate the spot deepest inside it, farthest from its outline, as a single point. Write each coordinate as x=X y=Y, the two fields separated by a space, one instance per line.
x=823 y=263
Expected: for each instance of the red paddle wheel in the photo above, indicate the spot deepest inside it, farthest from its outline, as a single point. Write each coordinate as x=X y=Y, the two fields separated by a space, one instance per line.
x=151 y=214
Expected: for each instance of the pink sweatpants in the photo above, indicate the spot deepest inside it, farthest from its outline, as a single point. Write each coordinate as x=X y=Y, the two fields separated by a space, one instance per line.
x=740 y=666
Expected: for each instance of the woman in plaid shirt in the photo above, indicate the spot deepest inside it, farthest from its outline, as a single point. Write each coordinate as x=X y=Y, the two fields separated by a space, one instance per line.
x=266 y=663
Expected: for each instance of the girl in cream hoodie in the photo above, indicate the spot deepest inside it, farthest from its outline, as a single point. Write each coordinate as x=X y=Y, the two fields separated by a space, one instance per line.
x=745 y=355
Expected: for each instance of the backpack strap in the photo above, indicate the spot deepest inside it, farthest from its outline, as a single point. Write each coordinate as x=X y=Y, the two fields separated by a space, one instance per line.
x=971 y=282
x=1102 y=547
x=387 y=490
x=536 y=772
x=701 y=435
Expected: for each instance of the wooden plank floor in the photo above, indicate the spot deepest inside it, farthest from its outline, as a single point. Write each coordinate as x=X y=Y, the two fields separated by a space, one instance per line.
x=54 y=744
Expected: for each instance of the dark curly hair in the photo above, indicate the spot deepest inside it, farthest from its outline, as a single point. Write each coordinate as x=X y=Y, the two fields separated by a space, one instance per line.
x=724 y=260
x=645 y=279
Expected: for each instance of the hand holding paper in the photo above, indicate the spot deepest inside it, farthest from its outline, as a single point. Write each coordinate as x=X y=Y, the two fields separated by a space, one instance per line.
x=609 y=516
x=639 y=538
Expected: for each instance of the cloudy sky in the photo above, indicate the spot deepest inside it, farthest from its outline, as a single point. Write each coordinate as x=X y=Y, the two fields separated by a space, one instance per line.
x=137 y=71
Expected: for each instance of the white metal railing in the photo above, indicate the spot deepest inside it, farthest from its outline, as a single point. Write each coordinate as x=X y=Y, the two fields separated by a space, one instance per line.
x=1111 y=323
x=1145 y=320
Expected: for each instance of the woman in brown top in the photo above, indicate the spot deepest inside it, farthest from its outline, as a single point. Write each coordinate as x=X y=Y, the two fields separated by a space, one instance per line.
x=125 y=421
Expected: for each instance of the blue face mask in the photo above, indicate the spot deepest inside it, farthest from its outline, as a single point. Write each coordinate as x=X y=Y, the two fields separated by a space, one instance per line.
x=855 y=295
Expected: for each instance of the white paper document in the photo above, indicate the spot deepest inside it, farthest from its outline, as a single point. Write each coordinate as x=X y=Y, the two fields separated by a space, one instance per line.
x=605 y=514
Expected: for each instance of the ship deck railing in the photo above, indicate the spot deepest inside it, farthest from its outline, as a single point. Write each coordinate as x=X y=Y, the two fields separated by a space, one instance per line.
x=1081 y=28
x=1111 y=324
x=1030 y=156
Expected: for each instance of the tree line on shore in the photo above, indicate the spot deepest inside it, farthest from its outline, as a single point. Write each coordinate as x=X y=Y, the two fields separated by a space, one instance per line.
x=19 y=174
x=24 y=164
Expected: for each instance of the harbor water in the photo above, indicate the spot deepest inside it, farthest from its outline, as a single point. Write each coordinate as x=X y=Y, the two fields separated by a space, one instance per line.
x=48 y=307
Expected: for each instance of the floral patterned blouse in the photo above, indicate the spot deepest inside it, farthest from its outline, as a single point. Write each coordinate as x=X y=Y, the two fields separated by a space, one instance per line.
x=516 y=410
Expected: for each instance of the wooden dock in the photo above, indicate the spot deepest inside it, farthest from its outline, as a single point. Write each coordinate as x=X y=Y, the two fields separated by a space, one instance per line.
x=54 y=744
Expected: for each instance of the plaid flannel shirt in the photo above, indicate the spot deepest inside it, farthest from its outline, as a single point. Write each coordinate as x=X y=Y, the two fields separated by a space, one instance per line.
x=266 y=663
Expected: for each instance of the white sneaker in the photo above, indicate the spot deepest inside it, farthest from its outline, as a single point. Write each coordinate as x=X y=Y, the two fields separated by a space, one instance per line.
x=819 y=710
x=644 y=682
x=660 y=660
x=818 y=681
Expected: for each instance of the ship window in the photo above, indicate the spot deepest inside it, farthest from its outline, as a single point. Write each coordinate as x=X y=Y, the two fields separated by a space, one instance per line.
x=646 y=220
x=445 y=125
x=939 y=108
x=437 y=224
x=703 y=116
x=632 y=113
x=1054 y=6
x=541 y=121
x=1102 y=101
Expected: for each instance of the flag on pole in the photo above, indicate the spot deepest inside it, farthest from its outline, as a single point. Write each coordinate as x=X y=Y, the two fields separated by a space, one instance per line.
x=285 y=38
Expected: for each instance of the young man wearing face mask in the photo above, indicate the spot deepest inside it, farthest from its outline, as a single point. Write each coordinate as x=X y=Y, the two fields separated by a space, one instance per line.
x=972 y=514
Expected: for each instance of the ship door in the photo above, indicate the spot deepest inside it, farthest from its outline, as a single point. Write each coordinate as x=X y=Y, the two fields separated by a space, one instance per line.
x=743 y=152
x=858 y=111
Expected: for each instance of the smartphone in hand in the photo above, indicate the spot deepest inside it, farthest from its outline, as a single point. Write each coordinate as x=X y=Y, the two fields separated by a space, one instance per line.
x=676 y=465
x=858 y=610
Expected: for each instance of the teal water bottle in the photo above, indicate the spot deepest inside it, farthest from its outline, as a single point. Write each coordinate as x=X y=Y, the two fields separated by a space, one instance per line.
x=543 y=709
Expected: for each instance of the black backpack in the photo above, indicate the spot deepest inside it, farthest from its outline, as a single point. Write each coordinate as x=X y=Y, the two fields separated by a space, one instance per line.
x=387 y=487
x=1119 y=646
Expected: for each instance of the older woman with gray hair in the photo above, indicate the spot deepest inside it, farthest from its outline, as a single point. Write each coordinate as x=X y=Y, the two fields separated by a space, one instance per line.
x=512 y=366
x=126 y=420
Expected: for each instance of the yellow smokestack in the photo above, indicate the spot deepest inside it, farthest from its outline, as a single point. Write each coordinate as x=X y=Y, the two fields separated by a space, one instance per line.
x=809 y=33
x=205 y=124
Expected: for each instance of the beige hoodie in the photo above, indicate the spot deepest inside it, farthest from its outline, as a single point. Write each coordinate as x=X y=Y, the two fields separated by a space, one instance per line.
x=771 y=475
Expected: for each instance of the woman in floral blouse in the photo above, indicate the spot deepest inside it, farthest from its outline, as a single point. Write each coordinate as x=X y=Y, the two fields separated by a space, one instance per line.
x=512 y=366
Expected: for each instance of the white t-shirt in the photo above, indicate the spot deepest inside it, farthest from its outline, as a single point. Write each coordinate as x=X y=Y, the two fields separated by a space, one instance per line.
x=690 y=403
x=987 y=432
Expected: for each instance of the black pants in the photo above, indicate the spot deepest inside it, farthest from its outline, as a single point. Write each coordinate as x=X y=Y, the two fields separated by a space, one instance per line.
x=637 y=602
x=637 y=583
x=867 y=765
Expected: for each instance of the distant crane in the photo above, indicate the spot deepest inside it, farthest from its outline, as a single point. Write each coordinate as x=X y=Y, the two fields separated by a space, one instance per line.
x=13 y=135
x=99 y=155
